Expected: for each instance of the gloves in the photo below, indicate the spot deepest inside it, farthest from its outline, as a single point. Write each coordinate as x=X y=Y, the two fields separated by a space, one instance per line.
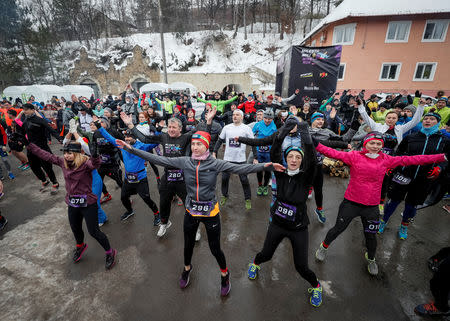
x=72 y=126
x=97 y=124
x=303 y=129
x=434 y=172
x=417 y=94
x=315 y=141
x=389 y=171
x=289 y=125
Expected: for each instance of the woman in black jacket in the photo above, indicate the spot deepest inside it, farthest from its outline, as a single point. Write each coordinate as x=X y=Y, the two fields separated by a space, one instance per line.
x=288 y=213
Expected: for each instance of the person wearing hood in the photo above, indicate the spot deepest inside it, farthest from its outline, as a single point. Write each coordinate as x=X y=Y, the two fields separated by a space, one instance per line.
x=442 y=109
x=413 y=183
x=362 y=196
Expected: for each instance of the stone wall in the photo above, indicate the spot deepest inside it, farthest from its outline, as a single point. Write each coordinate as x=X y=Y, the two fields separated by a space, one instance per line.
x=105 y=81
x=111 y=80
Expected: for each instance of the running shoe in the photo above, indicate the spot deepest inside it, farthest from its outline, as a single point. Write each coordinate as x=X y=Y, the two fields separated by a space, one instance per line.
x=403 y=232
x=321 y=253
x=79 y=252
x=106 y=198
x=163 y=229
x=382 y=227
x=225 y=285
x=320 y=216
x=310 y=193
x=316 y=296
x=21 y=166
x=446 y=208
x=180 y=202
x=55 y=188
x=157 y=220
x=44 y=185
x=184 y=280
x=125 y=216
x=372 y=266
x=100 y=224
x=25 y=167
x=253 y=271
x=3 y=223
x=248 y=204
x=381 y=209
x=110 y=260
x=429 y=309
x=11 y=175
x=198 y=236
x=259 y=191
x=266 y=190
x=223 y=200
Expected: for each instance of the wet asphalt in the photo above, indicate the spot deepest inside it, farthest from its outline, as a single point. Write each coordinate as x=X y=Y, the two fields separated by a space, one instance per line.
x=144 y=283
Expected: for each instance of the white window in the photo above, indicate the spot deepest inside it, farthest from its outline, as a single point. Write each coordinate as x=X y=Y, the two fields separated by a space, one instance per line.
x=425 y=71
x=390 y=71
x=341 y=72
x=344 y=34
x=435 y=31
x=398 y=31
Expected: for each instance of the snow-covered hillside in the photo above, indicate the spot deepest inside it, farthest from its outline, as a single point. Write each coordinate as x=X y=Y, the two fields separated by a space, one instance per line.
x=198 y=52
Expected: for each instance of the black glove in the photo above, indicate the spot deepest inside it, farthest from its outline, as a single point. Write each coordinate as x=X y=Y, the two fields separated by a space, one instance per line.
x=303 y=129
x=417 y=94
x=289 y=125
x=98 y=124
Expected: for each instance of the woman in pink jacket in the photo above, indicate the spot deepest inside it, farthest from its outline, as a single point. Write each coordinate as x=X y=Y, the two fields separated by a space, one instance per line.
x=367 y=169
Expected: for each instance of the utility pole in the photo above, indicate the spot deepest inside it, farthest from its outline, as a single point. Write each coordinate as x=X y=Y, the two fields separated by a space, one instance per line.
x=245 y=23
x=163 y=50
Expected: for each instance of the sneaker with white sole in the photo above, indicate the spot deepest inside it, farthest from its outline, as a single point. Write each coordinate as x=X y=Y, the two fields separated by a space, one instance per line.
x=163 y=229
x=321 y=253
x=372 y=266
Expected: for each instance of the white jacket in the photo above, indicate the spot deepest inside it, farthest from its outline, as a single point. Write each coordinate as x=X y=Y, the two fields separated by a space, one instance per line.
x=398 y=129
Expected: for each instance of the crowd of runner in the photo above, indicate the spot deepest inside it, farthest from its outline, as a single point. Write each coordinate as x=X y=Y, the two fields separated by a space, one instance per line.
x=396 y=150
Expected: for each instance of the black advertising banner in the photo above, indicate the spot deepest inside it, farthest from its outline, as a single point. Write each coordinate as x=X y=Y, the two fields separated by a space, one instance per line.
x=313 y=70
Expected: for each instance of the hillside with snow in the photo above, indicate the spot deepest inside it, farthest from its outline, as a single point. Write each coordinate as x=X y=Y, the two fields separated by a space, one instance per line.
x=197 y=52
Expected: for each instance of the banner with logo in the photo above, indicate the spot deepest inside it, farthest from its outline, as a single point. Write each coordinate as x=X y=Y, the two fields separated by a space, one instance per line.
x=313 y=70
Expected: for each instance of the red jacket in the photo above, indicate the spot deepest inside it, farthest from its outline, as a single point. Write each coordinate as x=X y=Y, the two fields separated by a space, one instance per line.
x=366 y=174
x=249 y=106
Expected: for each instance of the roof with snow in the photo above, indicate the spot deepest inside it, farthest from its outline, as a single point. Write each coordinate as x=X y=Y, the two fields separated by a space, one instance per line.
x=368 y=8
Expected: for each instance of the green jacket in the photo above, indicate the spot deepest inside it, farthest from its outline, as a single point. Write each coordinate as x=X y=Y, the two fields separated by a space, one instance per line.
x=166 y=105
x=443 y=112
x=379 y=116
x=220 y=104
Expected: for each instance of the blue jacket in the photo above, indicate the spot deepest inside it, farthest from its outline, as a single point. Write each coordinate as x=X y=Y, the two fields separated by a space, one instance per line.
x=261 y=130
x=133 y=163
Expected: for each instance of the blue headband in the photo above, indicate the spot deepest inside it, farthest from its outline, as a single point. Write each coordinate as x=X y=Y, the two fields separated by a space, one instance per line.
x=291 y=148
x=315 y=116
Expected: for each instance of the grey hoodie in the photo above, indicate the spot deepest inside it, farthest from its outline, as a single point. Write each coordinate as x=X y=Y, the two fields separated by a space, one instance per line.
x=200 y=176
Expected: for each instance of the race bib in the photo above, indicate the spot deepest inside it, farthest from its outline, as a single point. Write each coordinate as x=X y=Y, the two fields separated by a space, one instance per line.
x=175 y=175
x=201 y=208
x=400 y=179
x=132 y=177
x=285 y=211
x=78 y=200
x=234 y=143
x=372 y=227
x=264 y=149
x=105 y=158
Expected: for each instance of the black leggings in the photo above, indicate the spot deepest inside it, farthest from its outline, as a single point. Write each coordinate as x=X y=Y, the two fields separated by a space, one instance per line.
x=440 y=285
x=140 y=188
x=299 y=241
x=244 y=182
x=114 y=172
x=167 y=191
x=212 y=225
x=90 y=214
x=318 y=185
x=38 y=164
x=370 y=220
x=266 y=175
